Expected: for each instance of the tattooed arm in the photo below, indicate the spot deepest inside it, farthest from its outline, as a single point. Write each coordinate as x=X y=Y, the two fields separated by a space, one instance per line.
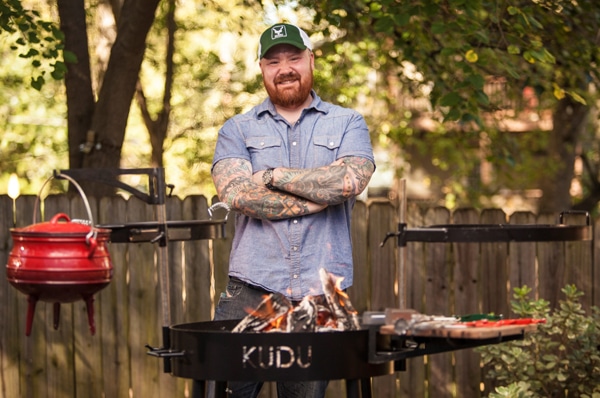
x=235 y=186
x=345 y=178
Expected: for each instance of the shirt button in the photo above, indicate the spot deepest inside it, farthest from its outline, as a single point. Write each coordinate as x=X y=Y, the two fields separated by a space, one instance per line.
x=294 y=248
x=294 y=143
x=295 y=221
x=295 y=276
x=262 y=143
x=330 y=143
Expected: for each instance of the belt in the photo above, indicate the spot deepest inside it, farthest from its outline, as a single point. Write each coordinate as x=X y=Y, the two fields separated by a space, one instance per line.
x=260 y=289
x=248 y=285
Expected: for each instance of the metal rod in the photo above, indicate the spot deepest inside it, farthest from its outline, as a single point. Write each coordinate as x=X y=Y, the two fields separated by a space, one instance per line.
x=163 y=250
x=402 y=209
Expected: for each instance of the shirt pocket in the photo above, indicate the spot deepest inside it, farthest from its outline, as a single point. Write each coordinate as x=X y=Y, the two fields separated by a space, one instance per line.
x=326 y=148
x=264 y=152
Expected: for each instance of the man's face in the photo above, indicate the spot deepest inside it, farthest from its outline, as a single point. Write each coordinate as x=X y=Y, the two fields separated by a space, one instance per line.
x=288 y=75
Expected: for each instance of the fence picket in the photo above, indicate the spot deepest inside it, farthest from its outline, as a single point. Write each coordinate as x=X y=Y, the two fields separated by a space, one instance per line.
x=522 y=257
x=437 y=302
x=413 y=380
x=468 y=284
x=114 y=307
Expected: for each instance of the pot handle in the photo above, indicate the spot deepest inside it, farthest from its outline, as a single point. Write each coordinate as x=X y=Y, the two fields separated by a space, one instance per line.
x=90 y=238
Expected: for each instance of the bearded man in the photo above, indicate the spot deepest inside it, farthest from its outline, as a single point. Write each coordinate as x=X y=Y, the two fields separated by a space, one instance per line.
x=290 y=169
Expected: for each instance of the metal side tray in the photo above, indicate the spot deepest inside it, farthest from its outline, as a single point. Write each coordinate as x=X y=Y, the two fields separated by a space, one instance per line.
x=493 y=233
x=179 y=230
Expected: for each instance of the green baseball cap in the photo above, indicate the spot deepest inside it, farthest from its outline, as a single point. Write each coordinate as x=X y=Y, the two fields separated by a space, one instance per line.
x=283 y=33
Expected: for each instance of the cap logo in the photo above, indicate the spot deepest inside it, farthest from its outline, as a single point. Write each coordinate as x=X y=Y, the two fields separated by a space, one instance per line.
x=278 y=32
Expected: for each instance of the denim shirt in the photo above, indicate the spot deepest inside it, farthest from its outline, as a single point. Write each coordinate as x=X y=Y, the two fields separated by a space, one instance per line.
x=285 y=255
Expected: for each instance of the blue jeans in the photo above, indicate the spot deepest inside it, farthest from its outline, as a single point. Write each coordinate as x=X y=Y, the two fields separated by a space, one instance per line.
x=232 y=305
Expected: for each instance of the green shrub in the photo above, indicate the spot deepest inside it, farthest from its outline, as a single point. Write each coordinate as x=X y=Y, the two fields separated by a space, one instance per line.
x=560 y=359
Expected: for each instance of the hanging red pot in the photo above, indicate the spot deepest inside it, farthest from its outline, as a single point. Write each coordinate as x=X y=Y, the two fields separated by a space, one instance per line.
x=60 y=261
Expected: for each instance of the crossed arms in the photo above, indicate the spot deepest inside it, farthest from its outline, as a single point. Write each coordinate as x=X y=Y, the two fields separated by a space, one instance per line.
x=299 y=191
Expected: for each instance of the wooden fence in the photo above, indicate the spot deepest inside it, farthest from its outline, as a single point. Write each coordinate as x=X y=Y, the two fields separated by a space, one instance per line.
x=442 y=278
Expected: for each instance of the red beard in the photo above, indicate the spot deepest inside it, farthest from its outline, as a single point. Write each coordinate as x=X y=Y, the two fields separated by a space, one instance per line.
x=289 y=96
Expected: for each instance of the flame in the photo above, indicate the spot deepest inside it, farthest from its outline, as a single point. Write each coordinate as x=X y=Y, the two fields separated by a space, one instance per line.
x=277 y=323
x=338 y=290
x=260 y=312
x=265 y=312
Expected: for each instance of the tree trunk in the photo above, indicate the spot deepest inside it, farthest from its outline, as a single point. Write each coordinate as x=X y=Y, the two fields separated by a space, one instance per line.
x=569 y=120
x=158 y=127
x=80 y=96
x=114 y=100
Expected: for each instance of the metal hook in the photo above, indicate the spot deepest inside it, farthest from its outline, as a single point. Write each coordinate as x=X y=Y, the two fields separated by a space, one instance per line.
x=219 y=205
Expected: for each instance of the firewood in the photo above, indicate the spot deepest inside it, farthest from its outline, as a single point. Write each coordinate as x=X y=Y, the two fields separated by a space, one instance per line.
x=303 y=317
x=267 y=314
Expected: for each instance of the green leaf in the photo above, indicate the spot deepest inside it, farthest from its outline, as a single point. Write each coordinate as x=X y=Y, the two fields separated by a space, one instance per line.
x=534 y=22
x=482 y=97
x=385 y=25
x=60 y=66
x=512 y=49
x=452 y=115
x=477 y=81
x=577 y=97
x=448 y=51
x=549 y=57
x=57 y=74
x=374 y=6
x=37 y=83
x=31 y=53
x=529 y=57
x=438 y=28
x=57 y=33
x=513 y=10
x=450 y=99
x=69 y=57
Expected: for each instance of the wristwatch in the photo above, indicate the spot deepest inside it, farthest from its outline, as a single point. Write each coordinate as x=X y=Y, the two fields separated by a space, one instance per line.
x=267 y=178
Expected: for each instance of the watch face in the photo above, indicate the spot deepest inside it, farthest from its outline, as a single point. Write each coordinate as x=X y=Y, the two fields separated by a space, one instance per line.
x=267 y=177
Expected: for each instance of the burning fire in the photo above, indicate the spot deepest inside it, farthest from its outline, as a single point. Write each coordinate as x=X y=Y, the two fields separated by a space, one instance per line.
x=332 y=311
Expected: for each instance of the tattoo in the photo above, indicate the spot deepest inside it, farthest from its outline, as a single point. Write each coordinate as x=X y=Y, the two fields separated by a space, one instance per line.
x=331 y=184
x=233 y=181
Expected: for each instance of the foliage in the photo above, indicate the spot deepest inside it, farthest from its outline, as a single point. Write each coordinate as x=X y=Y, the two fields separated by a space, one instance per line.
x=447 y=53
x=457 y=44
x=34 y=137
x=561 y=359
x=38 y=40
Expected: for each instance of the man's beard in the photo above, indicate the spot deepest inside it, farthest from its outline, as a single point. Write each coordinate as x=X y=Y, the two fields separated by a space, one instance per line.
x=290 y=97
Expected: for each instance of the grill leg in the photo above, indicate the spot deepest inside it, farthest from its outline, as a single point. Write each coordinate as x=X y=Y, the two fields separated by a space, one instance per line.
x=209 y=389
x=366 y=387
x=220 y=389
x=352 y=388
x=357 y=388
x=198 y=388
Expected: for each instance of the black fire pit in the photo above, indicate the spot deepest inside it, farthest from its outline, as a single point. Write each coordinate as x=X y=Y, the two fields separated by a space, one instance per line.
x=274 y=356
x=210 y=351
